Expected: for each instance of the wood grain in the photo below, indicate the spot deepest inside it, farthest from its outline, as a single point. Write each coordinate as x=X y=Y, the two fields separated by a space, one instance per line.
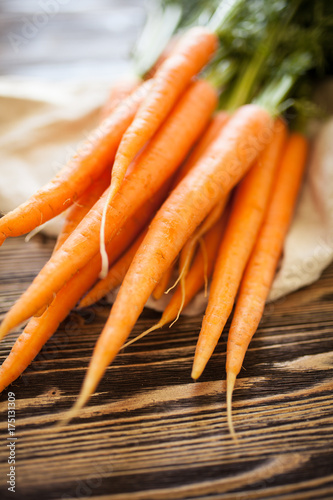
x=152 y=433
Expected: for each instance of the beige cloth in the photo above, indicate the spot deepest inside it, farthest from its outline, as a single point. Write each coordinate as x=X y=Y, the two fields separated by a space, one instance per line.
x=42 y=124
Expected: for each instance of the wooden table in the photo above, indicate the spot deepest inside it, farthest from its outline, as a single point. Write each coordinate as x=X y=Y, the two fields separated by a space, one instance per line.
x=150 y=432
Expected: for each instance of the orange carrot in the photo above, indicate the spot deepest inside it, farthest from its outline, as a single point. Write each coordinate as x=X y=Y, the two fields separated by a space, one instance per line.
x=80 y=208
x=251 y=199
x=195 y=279
x=40 y=329
x=119 y=91
x=264 y=259
x=219 y=120
x=225 y=162
x=166 y=53
x=162 y=285
x=211 y=133
x=189 y=248
x=115 y=275
x=190 y=55
x=81 y=171
x=155 y=165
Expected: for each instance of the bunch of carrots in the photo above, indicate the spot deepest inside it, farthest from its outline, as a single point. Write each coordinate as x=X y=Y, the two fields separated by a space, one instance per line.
x=167 y=180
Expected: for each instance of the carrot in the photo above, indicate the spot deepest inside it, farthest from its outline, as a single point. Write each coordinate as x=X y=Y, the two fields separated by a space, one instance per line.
x=115 y=275
x=162 y=285
x=211 y=133
x=191 y=54
x=187 y=253
x=40 y=329
x=166 y=53
x=200 y=271
x=81 y=171
x=80 y=208
x=251 y=199
x=264 y=259
x=219 y=120
x=155 y=165
x=225 y=162
x=119 y=91
x=189 y=248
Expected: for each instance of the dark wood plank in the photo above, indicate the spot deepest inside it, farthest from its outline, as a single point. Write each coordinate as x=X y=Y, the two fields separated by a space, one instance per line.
x=150 y=432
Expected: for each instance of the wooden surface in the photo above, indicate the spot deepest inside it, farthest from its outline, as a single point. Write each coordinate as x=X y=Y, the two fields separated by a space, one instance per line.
x=150 y=432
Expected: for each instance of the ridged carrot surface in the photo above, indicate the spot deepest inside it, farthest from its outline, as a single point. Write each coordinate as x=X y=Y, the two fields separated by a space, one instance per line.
x=224 y=163
x=40 y=329
x=192 y=52
x=250 y=203
x=155 y=165
x=80 y=208
x=260 y=270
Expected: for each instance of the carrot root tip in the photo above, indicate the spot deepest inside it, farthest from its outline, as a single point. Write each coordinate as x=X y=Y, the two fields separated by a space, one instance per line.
x=231 y=379
x=143 y=334
x=198 y=367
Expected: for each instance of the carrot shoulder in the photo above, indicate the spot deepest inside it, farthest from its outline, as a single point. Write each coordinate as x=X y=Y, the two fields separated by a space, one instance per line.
x=225 y=162
x=250 y=202
x=119 y=90
x=81 y=171
x=264 y=259
x=192 y=52
x=151 y=170
x=211 y=133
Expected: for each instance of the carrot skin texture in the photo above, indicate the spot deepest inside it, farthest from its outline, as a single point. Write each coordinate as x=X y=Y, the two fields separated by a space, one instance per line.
x=213 y=130
x=40 y=329
x=200 y=271
x=81 y=171
x=192 y=52
x=119 y=91
x=219 y=120
x=181 y=129
x=262 y=265
x=114 y=277
x=80 y=209
x=250 y=202
x=162 y=285
x=225 y=162
x=195 y=278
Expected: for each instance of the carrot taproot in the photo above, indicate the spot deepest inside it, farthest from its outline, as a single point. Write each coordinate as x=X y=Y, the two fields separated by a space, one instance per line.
x=188 y=251
x=200 y=270
x=251 y=199
x=81 y=171
x=190 y=246
x=40 y=329
x=114 y=277
x=214 y=128
x=218 y=121
x=120 y=89
x=192 y=52
x=264 y=259
x=152 y=168
x=163 y=283
x=225 y=162
x=80 y=208
x=166 y=53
